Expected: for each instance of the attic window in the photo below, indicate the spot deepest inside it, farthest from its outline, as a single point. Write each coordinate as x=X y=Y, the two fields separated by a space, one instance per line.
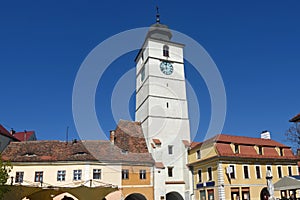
x=80 y=153
x=123 y=151
x=280 y=151
x=260 y=151
x=236 y=148
x=29 y=154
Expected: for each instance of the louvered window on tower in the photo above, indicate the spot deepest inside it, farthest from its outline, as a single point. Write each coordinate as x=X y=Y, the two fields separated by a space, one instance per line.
x=166 y=51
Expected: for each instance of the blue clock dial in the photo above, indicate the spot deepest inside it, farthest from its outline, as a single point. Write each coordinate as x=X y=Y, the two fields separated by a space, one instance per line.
x=166 y=67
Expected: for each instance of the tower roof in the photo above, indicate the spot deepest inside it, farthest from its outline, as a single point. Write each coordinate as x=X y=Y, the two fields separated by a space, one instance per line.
x=159 y=31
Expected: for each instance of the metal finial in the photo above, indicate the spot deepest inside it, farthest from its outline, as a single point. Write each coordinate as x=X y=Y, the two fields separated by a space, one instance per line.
x=157 y=15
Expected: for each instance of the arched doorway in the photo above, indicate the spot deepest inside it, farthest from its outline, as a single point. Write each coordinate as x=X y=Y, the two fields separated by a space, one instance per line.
x=174 y=196
x=135 y=196
x=264 y=194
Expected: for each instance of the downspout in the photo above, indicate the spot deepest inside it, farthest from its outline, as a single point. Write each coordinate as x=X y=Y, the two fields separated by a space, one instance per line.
x=192 y=171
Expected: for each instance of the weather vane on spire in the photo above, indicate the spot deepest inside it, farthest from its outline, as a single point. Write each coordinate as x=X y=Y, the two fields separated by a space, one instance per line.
x=157 y=15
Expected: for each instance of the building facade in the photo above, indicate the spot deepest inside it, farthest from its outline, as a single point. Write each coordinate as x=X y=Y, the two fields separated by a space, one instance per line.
x=161 y=107
x=89 y=163
x=235 y=167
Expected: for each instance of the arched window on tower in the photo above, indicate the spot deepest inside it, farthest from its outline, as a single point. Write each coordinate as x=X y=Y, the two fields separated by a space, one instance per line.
x=166 y=50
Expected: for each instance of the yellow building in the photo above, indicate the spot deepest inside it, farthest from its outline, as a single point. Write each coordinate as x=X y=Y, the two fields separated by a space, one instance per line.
x=234 y=167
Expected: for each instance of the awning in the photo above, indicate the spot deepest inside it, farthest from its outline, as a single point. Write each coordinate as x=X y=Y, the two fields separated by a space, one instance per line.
x=37 y=193
x=288 y=183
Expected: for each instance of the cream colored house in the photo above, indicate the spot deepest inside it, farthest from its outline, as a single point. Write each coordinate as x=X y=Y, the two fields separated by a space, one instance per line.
x=90 y=163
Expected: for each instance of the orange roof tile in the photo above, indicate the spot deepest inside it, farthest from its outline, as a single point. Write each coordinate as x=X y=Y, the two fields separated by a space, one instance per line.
x=159 y=165
x=157 y=141
x=24 y=136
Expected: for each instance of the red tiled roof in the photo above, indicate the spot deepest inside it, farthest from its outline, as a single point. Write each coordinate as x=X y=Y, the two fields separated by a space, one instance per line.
x=246 y=140
x=159 y=165
x=195 y=144
x=23 y=136
x=129 y=136
x=296 y=118
x=6 y=133
x=157 y=141
x=186 y=143
x=50 y=151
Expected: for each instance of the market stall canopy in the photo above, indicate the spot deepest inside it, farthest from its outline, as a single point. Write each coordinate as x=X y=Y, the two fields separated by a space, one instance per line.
x=288 y=183
x=38 y=193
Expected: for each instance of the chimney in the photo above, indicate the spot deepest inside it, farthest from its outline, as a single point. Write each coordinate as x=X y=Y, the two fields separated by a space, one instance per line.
x=112 y=136
x=265 y=135
x=12 y=131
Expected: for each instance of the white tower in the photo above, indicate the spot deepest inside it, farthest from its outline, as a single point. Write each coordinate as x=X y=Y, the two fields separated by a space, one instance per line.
x=161 y=107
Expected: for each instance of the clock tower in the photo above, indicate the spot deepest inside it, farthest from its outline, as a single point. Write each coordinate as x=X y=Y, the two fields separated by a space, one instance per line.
x=161 y=107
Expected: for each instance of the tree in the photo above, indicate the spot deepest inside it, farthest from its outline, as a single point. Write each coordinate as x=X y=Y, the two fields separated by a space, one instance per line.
x=293 y=133
x=5 y=168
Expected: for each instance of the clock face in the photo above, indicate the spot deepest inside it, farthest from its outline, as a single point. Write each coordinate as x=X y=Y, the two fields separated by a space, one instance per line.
x=166 y=67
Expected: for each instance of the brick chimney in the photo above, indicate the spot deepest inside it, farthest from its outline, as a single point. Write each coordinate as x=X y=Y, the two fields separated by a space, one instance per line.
x=112 y=136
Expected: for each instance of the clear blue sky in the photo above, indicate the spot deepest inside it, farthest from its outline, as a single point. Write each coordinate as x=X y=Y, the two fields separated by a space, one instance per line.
x=255 y=44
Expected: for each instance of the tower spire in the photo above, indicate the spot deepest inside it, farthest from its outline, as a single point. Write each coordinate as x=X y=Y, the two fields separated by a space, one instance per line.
x=157 y=15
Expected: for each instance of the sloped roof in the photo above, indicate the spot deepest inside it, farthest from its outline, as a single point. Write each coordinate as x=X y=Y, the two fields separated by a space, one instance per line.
x=247 y=149
x=106 y=152
x=129 y=136
x=24 y=136
x=195 y=144
x=157 y=141
x=134 y=129
x=6 y=133
x=222 y=144
x=295 y=118
x=288 y=183
x=247 y=140
x=53 y=151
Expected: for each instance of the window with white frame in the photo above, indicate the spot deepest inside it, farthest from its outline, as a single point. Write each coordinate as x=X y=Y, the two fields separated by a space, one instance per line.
x=166 y=51
x=269 y=168
x=279 y=171
x=170 y=171
x=258 y=172
x=198 y=154
x=96 y=173
x=61 y=175
x=246 y=171
x=77 y=174
x=290 y=171
x=38 y=176
x=232 y=174
x=19 y=177
x=125 y=174
x=142 y=174
x=170 y=149
x=143 y=74
x=209 y=174
x=199 y=175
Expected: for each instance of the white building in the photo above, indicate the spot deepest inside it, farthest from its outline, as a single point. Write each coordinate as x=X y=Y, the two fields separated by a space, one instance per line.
x=161 y=107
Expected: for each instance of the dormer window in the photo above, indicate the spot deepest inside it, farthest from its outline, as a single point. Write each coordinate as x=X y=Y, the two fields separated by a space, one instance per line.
x=29 y=154
x=280 y=151
x=260 y=151
x=166 y=51
x=236 y=148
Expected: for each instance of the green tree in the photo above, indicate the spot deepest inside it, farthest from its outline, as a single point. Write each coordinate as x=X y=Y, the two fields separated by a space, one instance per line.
x=5 y=168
